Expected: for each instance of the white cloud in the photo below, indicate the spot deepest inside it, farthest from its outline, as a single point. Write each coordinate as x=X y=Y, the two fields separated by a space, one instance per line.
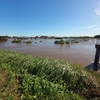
x=97 y=11
x=96 y=29
x=92 y=26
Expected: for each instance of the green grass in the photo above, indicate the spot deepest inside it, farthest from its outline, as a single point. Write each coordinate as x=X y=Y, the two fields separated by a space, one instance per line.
x=36 y=78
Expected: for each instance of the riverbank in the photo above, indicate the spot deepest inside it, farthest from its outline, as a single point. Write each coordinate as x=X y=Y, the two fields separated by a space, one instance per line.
x=29 y=77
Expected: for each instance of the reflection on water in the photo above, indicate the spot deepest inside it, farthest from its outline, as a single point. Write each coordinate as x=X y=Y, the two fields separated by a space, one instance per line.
x=80 y=53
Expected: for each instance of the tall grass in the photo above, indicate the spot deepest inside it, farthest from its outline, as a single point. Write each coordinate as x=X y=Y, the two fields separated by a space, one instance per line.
x=48 y=79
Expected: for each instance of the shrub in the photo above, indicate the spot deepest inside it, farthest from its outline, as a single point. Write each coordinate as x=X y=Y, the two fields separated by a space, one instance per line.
x=16 y=41
x=67 y=41
x=3 y=38
x=74 y=41
x=28 y=42
x=59 y=42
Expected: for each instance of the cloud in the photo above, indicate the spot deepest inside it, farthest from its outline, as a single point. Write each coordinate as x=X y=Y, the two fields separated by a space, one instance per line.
x=97 y=11
x=97 y=29
x=92 y=26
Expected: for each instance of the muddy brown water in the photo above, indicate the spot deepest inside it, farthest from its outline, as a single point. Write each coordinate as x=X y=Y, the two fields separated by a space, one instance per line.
x=81 y=53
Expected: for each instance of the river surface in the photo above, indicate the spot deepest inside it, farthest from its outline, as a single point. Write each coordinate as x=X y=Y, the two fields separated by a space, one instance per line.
x=80 y=53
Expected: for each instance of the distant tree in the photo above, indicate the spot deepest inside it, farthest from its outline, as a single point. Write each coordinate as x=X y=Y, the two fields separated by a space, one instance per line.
x=36 y=37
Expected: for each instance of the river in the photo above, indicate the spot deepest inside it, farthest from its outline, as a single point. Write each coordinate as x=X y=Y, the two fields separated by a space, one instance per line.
x=79 y=53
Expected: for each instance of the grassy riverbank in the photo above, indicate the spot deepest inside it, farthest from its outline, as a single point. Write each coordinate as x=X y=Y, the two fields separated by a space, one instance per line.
x=33 y=78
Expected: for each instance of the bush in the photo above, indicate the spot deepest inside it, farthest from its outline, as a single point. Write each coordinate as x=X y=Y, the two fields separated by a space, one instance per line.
x=74 y=41
x=59 y=42
x=67 y=41
x=16 y=41
x=3 y=38
x=28 y=42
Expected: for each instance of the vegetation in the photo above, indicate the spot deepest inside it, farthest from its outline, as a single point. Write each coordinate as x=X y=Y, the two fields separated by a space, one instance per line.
x=67 y=41
x=71 y=40
x=28 y=42
x=20 y=41
x=20 y=38
x=16 y=41
x=25 y=77
x=59 y=42
x=74 y=41
x=40 y=41
x=58 y=37
x=3 y=38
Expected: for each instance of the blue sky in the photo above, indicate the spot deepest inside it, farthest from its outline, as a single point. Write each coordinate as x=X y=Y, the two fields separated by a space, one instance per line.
x=49 y=17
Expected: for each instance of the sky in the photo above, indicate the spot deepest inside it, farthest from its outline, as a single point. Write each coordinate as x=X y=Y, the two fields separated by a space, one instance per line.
x=49 y=17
